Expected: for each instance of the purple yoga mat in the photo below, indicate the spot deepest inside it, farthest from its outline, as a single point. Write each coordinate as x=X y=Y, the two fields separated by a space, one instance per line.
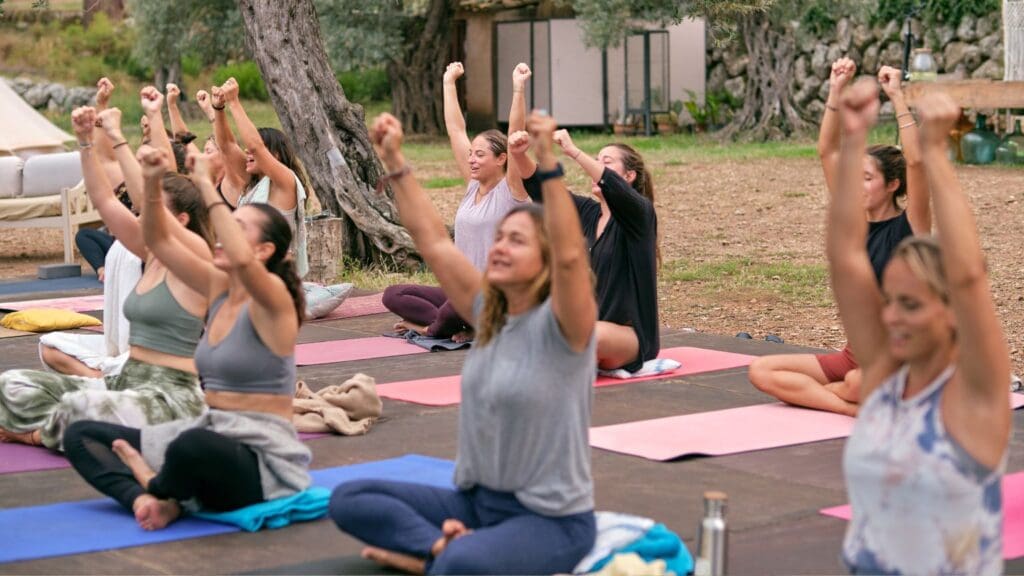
x=21 y=458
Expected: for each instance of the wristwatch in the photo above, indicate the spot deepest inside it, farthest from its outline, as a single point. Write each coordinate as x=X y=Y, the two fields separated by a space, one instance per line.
x=556 y=172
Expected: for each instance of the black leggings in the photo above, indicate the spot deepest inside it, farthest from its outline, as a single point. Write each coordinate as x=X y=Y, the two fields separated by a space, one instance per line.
x=94 y=245
x=220 y=473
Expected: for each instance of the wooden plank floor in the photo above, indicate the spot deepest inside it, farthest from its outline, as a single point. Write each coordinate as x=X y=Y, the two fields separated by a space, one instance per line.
x=774 y=495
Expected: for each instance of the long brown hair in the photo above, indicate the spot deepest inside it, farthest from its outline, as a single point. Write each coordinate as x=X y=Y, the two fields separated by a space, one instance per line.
x=182 y=196
x=277 y=231
x=495 y=311
x=893 y=165
x=644 y=183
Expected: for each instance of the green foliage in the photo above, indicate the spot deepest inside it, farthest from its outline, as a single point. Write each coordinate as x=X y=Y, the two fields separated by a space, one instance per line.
x=250 y=82
x=210 y=30
x=442 y=182
x=365 y=33
x=819 y=20
x=369 y=85
x=934 y=11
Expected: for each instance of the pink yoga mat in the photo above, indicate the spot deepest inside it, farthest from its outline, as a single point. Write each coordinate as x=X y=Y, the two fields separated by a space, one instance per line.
x=1013 y=515
x=446 y=390
x=353 y=349
x=721 y=432
x=75 y=303
x=356 y=306
x=727 y=431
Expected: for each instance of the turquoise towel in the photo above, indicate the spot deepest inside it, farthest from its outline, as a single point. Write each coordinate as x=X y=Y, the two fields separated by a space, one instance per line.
x=307 y=505
x=659 y=543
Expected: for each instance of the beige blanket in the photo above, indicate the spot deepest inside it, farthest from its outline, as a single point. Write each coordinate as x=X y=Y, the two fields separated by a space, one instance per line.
x=349 y=408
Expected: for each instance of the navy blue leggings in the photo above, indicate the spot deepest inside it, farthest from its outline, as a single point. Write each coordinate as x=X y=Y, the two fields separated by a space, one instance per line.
x=507 y=538
x=93 y=245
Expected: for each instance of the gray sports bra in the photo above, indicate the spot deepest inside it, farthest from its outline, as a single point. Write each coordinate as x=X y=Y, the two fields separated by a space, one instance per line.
x=241 y=362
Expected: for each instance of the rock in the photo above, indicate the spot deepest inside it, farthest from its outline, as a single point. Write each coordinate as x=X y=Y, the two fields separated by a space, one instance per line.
x=835 y=52
x=21 y=85
x=973 y=58
x=966 y=30
x=990 y=43
x=53 y=106
x=987 y=24
x=82 y=96
x=736 y=87
x=870 y=60
x=945 y=33
x=891 y=55
x=58 y=94
x=862 y=36
x=37 y=96
x=716 y=78
x=992 y=70
x=823 y=91
x=819 y=59
x=816 y=108
x=737 y=66
x=808 y=92
x=954 y=54
x=891 y=31
x=844 y=34
x=806 y=43
x=800 y=70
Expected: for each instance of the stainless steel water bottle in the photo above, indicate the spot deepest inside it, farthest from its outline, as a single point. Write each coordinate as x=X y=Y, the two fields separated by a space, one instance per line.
x=712 y=537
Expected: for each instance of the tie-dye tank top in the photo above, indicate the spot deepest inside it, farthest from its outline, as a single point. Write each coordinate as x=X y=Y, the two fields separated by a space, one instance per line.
x=921 y=503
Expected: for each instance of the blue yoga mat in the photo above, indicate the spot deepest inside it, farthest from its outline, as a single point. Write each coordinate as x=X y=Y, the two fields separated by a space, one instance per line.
x=50 y=285
x=94 y=525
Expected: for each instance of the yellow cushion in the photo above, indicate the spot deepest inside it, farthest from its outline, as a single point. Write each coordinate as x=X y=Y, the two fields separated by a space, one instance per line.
x=46 y=320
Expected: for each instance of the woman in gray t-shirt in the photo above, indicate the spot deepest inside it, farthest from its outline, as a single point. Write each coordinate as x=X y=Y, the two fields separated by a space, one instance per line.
x=524 y=498
x=491 y=192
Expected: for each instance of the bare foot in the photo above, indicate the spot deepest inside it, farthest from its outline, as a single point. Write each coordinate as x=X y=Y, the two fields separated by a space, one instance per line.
x=464 y=336
x=396 y=560
x=131 y=457
x=450 y=530
x=154 y=514
x=405 y=326
x=32 y=437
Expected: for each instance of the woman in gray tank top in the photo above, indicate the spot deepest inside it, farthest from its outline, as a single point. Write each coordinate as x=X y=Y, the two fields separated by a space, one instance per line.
x=925 y=461
x=244 y=449
x=524 y=498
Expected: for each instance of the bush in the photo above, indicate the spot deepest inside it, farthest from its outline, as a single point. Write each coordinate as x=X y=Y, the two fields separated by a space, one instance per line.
x=371 y=85
x=250 y=82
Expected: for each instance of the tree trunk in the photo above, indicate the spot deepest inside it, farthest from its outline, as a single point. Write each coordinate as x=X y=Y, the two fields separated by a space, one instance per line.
x=417 y=76
x=169 y=73
x=769 y=111
x=327 y=131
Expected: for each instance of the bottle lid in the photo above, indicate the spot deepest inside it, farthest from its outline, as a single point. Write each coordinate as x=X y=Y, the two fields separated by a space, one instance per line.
x=715 y=495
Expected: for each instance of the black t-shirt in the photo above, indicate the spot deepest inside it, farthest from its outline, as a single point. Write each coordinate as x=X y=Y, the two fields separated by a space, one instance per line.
x=883 y=238
x=624 y=258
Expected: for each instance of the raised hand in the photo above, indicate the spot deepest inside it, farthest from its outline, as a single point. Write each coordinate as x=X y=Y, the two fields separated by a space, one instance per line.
x=542 y=129
x=386 y=136
x=205 y=103
x=453 y=72
x=843 y=70
x=198 y=165
x=938 y=115
x=230 y=90
x=152 y=100
x=859 y=107
x=217 y=97
x=104 y=88
x=891 y=81
x=518 y=142
x=564 y=141
x=520 y=75
x=153 y=160
x=173 y=94
x=110 y=121
x=83 y=120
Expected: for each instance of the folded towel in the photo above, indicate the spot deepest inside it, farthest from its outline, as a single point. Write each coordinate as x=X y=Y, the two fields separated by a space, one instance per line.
x=307 y=505
x=429 y=343
x=659 y=543
x=349 y=408
x=650 y=368
x=614 y=531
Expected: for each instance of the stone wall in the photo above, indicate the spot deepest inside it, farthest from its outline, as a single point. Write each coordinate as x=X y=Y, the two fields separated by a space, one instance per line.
x=51 y=96
x=973 y=49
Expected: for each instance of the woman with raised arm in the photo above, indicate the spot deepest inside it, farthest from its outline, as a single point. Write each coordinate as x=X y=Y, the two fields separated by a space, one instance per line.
x=244 y=450
x=179 y=130
x=926 y=458
x=490 y=194
x=621 y=228
x=831 y=381
x=274 y=175
x=158 y=381
x=524 y=497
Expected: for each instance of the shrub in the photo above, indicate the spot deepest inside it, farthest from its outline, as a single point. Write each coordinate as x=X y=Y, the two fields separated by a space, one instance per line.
x=250 y=82
x=371 y=85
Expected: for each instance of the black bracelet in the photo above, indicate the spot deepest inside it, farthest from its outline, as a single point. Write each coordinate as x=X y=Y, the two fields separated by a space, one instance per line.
x=215 y=107
x=121 y=143
x=385 y=179
x=556 y=172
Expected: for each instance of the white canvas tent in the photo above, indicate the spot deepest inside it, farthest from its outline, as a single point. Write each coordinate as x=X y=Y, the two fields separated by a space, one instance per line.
x=24 y=131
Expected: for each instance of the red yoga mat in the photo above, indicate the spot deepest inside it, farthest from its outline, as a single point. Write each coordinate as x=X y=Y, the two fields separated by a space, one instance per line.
x=1013 y=515
x=356 y=306
x=75 y=303
x=353 y=349
x=446 y=390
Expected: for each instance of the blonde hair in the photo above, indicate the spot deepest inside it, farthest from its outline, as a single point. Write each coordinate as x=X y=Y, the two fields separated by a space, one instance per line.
x=923 y=256
x=495 y=310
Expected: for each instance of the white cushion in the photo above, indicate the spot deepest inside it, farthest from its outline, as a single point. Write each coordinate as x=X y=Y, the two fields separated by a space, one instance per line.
x=10 y=176
x=50 y=173
x=322 y=300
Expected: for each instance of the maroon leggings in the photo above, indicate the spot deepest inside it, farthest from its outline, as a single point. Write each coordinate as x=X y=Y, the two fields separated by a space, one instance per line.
x=426 y=306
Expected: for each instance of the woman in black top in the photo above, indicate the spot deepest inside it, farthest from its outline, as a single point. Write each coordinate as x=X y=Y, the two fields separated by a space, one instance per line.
x=621 y=228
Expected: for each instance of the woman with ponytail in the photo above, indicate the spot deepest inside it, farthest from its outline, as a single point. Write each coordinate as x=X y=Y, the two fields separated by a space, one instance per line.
x=621 y=228
x=244 y=450
x=524 y=499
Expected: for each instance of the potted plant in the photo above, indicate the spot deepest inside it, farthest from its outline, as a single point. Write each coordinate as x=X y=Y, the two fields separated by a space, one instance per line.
x=698 y=112
x=666 y=122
